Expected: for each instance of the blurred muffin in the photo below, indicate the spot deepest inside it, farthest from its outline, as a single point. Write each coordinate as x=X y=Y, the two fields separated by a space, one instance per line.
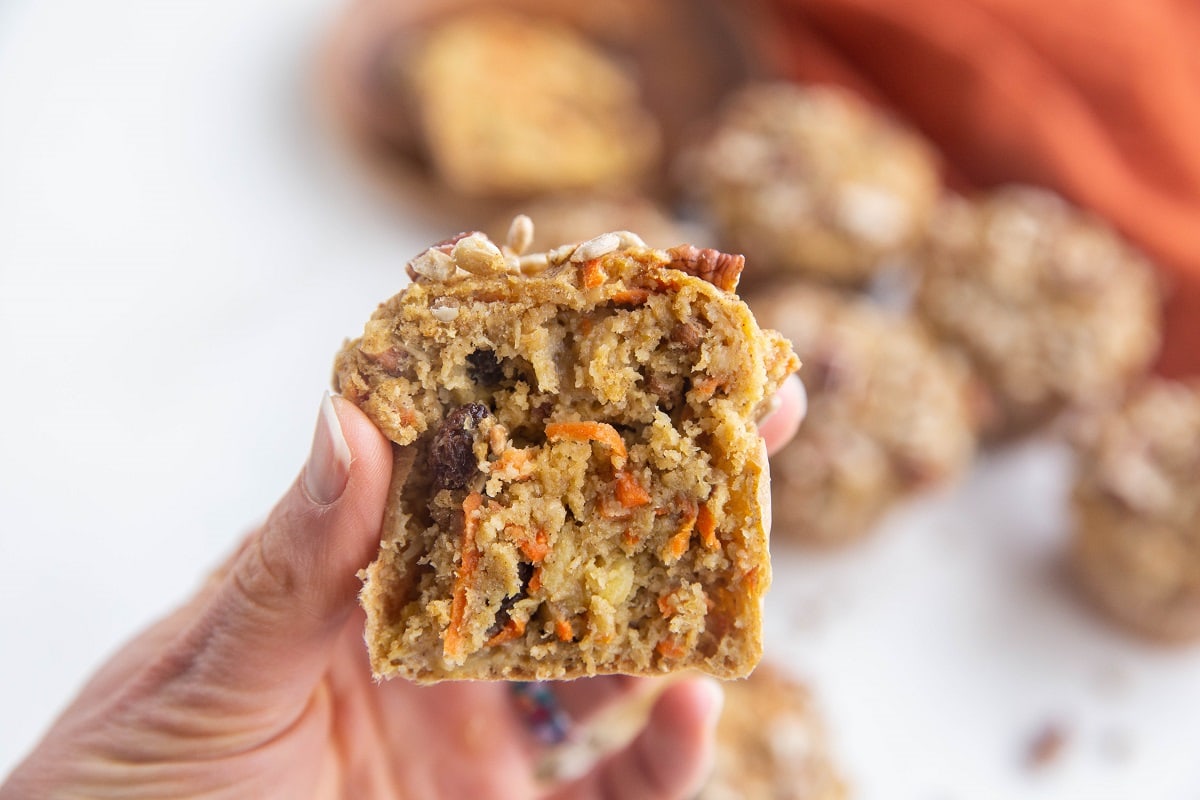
x=1052 y=308
x=888 y=413
x=812 y=181
x=1136 y=545
x=503 y=104
x=771 y=744
x=578 y=217
x=465 y=103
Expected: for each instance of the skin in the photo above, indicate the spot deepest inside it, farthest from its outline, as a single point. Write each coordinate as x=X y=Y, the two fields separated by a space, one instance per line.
x=259 y=685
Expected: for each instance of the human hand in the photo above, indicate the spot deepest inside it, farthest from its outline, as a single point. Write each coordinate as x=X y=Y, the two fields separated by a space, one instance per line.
x=259 y=685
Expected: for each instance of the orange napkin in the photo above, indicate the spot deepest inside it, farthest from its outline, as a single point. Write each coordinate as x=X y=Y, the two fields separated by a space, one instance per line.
x=1097 y=99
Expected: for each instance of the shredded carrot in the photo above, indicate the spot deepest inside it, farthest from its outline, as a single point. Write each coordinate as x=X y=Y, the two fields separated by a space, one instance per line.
x=671 y=647
x=563 y=630
x=629 y=492
x=536 y=547
x=593 y=274
x=513 y=629
x=630 y=537
x=535 y=580
x=591 y=431
x=706 y=523
x=751 y=579
x=630 y=297
x=678 y=543
x=666 y=605
x=515 y=458
x=452 y=646
x=585 y=325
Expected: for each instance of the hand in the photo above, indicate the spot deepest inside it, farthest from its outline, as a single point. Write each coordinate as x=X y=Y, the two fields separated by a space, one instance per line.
x=259 y=686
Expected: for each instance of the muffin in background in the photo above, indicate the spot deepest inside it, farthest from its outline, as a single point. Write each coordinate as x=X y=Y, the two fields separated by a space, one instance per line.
x=1136 y=542
x=1053 y=310
x=889 y=413
x=812 y=181
x=503 y=104
x=771 y=744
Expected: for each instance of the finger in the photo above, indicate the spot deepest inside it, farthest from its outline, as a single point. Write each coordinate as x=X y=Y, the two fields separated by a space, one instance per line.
x=669 y=759
x=781 y=424
x=584 y=698
x=267 y=631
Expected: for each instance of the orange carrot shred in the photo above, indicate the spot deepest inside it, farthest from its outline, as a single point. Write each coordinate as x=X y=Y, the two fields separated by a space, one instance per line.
x=666 y=605
x=630 y=297
x=452 y=646
x=563 y=630
x=535 y=580
x=536 y=547
x=591 y=431
x=678 y=543
x=593 y=274
x=630 y=537
x=629 y=492
x=670 y=647
x=513 y=629
x=706 y=523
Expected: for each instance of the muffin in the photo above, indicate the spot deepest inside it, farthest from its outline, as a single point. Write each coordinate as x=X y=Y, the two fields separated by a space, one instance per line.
x=579 y=485
x=771 y=744
x=889 y=414
x=1051 y=307
x=812 y=181
x=1136 y=543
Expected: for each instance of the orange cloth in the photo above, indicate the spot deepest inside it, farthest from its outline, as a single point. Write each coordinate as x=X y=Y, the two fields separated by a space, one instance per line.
x=1097 y=99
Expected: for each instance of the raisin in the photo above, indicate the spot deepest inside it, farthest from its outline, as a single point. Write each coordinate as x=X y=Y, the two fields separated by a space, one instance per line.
x=484 y=368
x=451 y=456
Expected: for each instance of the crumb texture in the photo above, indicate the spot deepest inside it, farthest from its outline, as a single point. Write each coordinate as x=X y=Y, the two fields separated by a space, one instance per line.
x=579 y=486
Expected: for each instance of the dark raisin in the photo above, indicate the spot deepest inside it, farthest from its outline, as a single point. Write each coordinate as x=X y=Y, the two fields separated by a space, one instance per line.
x=451 y=455
x=484 y=368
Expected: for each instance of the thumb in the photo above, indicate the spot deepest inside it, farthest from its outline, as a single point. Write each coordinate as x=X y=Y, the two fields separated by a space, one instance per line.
x=267 y=632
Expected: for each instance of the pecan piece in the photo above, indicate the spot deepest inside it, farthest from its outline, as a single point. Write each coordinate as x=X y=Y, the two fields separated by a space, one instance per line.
x=720 y=269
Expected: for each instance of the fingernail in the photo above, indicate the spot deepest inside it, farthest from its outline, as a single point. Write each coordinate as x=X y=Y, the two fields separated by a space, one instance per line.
x=328 y=466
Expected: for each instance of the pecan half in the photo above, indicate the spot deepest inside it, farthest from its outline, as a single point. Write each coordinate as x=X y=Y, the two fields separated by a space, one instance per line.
x=720 y=269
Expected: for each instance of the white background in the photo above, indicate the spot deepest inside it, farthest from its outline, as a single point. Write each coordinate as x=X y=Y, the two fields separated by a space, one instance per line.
x=182 y=249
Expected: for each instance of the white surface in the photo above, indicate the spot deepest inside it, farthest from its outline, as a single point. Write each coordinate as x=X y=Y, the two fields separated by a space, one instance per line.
x=182 y=249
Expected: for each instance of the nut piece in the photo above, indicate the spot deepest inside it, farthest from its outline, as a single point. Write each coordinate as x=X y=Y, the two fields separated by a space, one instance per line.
x=520 y=234
x=720 y=269
x=433 y=264
x=452 y=453
x=476 y=254
x=601 y=245
x=444 y=309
